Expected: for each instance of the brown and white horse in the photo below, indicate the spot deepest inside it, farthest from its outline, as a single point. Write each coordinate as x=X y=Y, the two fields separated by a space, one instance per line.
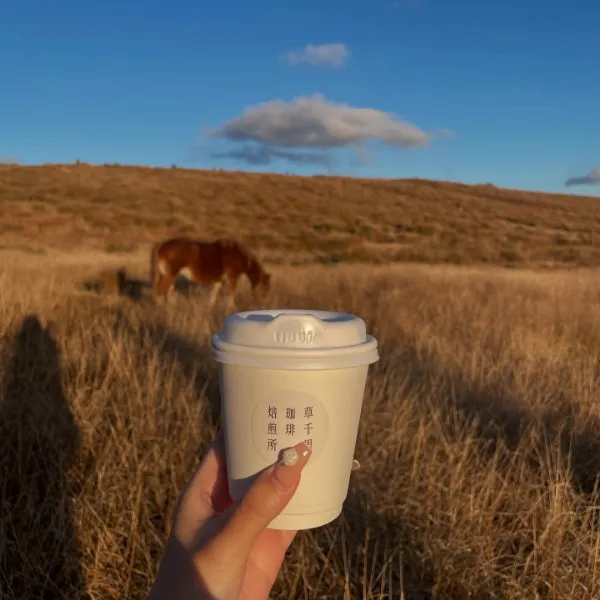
x=215 y=263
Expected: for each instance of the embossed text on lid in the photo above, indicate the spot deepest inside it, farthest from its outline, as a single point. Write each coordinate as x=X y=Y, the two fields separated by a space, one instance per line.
x=294 y=329
x=300 y=339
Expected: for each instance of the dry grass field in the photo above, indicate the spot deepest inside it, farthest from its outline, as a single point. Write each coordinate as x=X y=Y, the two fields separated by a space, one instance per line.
x=479 y=442
x=480 y=435
x=295 y=219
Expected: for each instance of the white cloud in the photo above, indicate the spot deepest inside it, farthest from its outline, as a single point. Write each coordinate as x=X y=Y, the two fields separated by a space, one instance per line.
x=324 y=55
x=313 y=122
x=590 y=178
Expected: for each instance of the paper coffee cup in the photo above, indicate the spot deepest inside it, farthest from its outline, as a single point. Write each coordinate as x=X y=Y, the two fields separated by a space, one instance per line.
x=290 y=376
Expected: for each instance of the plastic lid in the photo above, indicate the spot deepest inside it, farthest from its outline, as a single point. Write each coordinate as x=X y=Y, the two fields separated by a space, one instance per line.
x=295 y=340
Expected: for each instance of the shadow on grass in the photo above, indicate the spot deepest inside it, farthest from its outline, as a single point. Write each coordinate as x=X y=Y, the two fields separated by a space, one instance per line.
x=131 y=288
x=503 y=419
x=193 y=358
x=364 y=554
x=39 y=441
x=120 y=283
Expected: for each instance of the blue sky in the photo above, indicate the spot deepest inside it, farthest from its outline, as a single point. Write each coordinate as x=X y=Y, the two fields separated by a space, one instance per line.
x=500 y=92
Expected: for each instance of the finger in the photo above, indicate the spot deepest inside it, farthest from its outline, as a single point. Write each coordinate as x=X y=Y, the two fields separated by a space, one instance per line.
x=266 y=498
x=199 y=500
x=271 y=543
x=220 y=497
x=266 y=557
x=355 y=465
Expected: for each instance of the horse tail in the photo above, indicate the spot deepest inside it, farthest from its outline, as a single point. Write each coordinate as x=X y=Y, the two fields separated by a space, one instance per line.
x=154 y=266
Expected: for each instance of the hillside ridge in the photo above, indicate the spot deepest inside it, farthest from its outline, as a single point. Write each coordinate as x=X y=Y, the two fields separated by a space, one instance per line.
x=293 y=218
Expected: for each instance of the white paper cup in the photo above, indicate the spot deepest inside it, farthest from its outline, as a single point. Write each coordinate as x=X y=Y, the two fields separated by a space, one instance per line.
x=288 y=376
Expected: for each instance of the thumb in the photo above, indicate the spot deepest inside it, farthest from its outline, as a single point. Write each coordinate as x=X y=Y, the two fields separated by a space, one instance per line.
x=266 y=498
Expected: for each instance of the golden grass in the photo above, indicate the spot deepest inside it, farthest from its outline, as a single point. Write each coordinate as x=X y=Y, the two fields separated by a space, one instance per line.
x=288 y=219
x=479 y=441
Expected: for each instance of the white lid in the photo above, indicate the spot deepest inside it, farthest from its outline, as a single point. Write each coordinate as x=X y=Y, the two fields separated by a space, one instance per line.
x=295 y=340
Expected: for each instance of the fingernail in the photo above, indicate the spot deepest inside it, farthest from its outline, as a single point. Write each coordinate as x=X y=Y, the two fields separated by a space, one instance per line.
x=286 y=473
x=355 y=465
x=290 y=457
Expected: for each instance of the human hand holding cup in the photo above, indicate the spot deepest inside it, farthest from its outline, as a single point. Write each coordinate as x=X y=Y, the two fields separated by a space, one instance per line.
x=286 y=377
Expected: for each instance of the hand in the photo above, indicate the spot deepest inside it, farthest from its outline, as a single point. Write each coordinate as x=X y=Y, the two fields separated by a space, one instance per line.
x=219 y=549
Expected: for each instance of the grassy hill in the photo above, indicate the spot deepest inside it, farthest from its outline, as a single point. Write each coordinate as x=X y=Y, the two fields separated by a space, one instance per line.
x=295 y=219
x=480 y=432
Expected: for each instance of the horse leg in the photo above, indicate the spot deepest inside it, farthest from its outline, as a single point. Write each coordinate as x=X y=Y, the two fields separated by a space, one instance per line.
x=214 y=293
x=231 y=284
x=170 y=292
x=230 y=303
x=165 y=286
x=156 y=284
